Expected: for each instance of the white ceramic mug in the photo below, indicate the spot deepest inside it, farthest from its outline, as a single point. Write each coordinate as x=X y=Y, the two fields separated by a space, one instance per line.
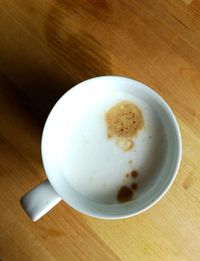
x=46 y=195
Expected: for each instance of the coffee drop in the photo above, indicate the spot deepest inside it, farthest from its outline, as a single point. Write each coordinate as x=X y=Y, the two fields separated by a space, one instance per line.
x=134 y=174
x=125 y=194
x=134 y=186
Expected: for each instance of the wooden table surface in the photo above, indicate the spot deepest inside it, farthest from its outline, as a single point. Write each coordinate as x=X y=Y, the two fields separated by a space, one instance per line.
x=48 y=46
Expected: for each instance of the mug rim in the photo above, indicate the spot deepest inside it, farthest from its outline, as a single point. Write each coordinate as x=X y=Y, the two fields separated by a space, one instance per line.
x=165 y=187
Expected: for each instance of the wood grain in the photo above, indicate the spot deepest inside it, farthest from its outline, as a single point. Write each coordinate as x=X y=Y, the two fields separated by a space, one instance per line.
x=48 y=46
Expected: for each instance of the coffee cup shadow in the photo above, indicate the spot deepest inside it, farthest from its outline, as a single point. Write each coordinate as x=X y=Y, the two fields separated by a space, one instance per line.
x=82 y=58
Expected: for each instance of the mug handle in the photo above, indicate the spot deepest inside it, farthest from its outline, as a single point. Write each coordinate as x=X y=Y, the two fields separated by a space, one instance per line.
x=40 y=200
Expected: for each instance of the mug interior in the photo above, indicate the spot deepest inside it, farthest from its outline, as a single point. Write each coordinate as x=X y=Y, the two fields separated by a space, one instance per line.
x=55 y=129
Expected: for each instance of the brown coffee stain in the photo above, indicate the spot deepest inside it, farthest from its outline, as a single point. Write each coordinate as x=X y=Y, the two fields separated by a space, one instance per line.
x=124 y=120
x=134 y=174
x=134 y=186
x=125 y=194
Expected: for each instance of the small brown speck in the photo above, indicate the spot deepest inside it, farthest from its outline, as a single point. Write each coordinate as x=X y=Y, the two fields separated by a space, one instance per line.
x=134 y=186
x=130 y=161
x=127 y=175
x=149 y=137
x=134 y=174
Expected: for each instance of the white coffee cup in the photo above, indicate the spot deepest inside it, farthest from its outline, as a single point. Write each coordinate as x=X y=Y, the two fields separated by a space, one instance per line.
x=46 y=195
